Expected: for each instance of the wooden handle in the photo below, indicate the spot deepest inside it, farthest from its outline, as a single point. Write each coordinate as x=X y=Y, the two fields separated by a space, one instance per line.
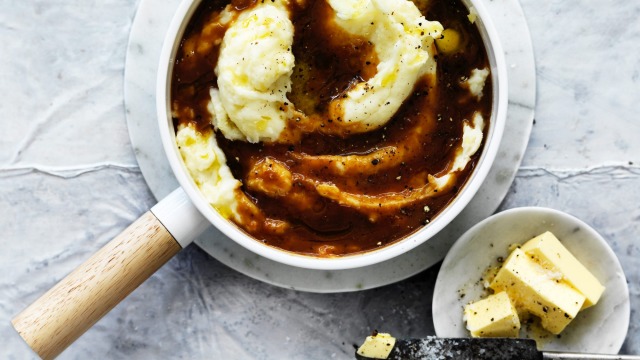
x=77 y=302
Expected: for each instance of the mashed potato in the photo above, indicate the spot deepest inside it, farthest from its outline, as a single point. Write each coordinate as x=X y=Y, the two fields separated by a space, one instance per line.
x=208 y=168
x=254 y=68
x=254 y=75
x=403 y=41
x=471 y=141
x=476 y=82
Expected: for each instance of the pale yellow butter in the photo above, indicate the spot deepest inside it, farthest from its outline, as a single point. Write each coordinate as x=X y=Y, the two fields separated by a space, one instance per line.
x=547 y=250
x=377 y=346
x=494 y=316
x=538 y=291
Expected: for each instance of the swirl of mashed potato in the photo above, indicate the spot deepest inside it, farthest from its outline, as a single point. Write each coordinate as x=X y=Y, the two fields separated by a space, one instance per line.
x=255 y=67
x=254 y=75
x=403 y=41
x=208 y=168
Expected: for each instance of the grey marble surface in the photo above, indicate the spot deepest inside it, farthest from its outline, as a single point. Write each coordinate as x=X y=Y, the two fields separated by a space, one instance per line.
x=70 y=182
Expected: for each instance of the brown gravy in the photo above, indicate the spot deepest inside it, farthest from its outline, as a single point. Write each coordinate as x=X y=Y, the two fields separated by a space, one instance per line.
x=327 y=63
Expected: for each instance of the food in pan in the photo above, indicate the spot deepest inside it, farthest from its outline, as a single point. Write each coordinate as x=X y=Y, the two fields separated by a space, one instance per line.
x=331 y=127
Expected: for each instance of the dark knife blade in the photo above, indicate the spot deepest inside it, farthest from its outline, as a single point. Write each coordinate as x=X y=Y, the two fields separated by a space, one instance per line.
x=463 y=348
x=434 y=348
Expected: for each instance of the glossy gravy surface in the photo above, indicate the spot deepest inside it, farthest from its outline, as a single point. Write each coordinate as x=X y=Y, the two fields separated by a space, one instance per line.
x=396 y=159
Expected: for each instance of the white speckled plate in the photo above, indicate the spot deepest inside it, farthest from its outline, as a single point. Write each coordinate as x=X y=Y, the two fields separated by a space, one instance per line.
x=145 y=42
x=599 y=329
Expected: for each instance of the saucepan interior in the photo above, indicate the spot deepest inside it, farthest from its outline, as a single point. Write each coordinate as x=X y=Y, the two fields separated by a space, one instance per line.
x=494 y=134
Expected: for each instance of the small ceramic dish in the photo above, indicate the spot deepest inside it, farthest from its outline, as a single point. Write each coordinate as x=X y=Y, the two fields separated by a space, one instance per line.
x=599 y=329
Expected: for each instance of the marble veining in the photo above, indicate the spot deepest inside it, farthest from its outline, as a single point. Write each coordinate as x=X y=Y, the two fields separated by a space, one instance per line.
x=70 y=182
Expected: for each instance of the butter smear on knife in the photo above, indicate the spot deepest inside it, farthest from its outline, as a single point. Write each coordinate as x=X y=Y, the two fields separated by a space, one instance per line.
x=377 y=346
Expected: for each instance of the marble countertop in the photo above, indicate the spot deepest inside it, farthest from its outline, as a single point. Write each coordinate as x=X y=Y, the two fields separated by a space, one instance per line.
x=70 y=183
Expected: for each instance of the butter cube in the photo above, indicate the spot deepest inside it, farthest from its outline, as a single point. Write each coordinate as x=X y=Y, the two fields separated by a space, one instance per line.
x=538 y=291
x=493 y=316
x=547 y=250
x=377 y=346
